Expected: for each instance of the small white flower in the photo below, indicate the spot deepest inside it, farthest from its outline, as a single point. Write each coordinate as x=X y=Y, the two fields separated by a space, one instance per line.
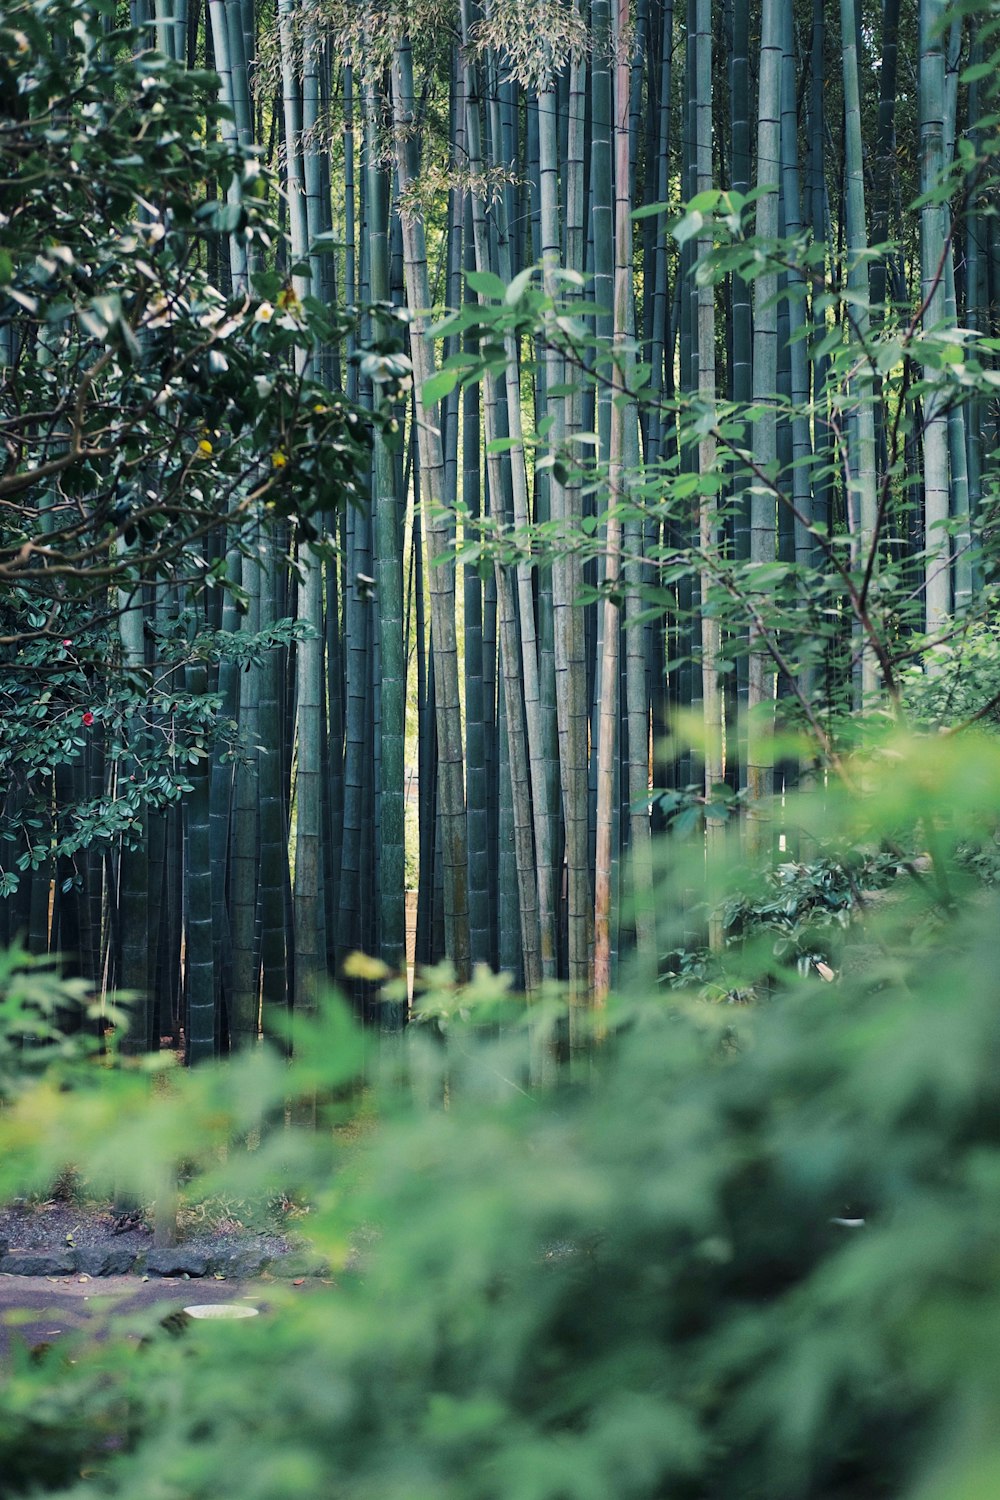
x=264 y=313
x=264 y=386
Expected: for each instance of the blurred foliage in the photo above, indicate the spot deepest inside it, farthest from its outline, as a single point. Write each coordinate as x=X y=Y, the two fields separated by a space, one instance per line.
x=959 y=680
x=40 y=1020
x=634 y=1280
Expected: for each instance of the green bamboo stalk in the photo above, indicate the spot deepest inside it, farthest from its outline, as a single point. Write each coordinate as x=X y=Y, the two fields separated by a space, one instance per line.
x=516 y=496
x=477 y=719
x=300 y=110
x=957 y=412
x=708 y=526
x=791 y=198
x=133 y=875
x=885 y=149
x=244 y=1012
x=230 y=64
x=816 y=191
x=389 y=594
x=976 y=310
x=354 y=903
x=517 y=625
x=509 y=907
x=622 y=411
x=937 y=500
x=861 y=478
x=199 y=946
x=567 y=509
x=273 y=878
x=760 y=697
x=441 y=569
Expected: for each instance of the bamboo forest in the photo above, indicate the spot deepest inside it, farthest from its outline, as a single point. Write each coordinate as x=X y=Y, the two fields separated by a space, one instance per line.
x=499 y=755
x=455 y=453
x=448 y=448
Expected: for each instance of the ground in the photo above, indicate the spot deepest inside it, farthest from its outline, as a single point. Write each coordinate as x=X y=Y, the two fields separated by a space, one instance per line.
x=38 y=1310
x=42 y=1307
x=58 y=1225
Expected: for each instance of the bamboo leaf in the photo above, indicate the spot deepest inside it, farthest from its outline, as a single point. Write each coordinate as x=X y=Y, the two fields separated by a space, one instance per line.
x=518 y=286
x=486 y=284
x=978 y=70
x=649 y=209
x=688 y=227
x=439 y=385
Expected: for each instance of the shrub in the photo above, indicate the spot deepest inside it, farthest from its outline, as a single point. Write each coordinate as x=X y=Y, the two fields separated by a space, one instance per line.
x=645 y=1279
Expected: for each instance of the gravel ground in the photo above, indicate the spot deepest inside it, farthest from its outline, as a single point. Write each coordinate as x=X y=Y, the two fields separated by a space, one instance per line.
x=86 y=1234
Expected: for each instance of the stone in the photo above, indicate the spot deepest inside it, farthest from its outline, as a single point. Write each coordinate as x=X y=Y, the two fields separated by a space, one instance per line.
x=93 y=1261
x=176 y=1262
x=237 y=1264
x=37 y=1263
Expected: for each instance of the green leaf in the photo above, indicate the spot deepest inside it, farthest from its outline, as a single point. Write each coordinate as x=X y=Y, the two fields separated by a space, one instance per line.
x=439 y=385
x=518 y=286
x=486 y=284
x=975 y=71
x=688 y=227
x=649 y=209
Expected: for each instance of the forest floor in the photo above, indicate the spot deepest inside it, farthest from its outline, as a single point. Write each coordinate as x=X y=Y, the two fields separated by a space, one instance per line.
x=59 y=1236
x=47 y=1291
x=35 y=1311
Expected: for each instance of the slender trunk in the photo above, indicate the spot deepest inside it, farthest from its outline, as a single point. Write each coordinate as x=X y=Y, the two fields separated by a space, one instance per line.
x=707 y=511
x=621 y=411
x=441 y=567
x=389 y=597
x=860 y=479
x=760 y=706
x=933 y=250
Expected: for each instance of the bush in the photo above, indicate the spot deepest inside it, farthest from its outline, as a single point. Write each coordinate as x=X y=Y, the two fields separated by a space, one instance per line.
x=959 y=680
x=646 y=1279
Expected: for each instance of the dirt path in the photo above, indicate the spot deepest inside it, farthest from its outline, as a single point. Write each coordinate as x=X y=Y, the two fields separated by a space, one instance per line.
x=35 y=1309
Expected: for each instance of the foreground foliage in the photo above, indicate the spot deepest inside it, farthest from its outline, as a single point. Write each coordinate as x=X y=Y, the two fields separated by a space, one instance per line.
x=632 y=1281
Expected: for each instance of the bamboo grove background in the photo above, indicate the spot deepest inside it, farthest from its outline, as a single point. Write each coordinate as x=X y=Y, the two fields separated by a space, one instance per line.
x=430 y=154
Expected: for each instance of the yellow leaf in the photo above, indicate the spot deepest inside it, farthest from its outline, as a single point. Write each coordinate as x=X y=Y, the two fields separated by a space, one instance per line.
x=363 y=966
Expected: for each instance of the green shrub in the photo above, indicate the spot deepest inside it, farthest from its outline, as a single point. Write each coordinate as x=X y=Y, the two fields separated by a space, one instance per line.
x=959 y=680
x=634 y=1282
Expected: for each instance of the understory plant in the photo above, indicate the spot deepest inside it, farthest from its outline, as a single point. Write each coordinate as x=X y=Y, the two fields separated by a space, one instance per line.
x=721 y=1253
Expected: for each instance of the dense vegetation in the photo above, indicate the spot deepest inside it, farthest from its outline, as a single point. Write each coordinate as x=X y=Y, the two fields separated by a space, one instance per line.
x=708 y=429
x=643 y=1278
x=647 y=550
